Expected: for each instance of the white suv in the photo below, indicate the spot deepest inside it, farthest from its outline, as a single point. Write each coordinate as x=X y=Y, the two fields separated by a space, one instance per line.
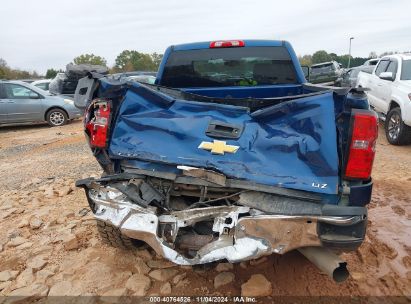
x=390 y=94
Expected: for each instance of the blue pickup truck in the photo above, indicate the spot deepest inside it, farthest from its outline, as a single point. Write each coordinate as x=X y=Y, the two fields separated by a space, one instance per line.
x=230 y=155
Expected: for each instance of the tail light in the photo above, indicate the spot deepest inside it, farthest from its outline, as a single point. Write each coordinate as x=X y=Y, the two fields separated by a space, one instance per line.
x=362 y=146
x=226 y=44
x=97 y=122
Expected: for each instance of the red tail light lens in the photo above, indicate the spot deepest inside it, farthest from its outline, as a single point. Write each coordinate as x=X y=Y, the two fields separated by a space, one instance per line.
x=226 y=44
x=98 y=116
x=362 y=147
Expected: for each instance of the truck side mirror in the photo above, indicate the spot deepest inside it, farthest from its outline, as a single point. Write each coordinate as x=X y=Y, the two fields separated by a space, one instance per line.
x=306 y=71
x=387 y=76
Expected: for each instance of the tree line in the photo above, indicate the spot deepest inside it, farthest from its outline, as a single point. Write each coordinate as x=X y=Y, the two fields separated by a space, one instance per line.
x=7 y=72
x=126 y=61
x=132 y=60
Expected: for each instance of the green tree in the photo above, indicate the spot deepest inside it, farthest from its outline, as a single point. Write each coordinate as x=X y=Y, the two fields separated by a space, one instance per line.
x=2 y=73
x=355 y=61
x=343 y=59
x=51 y=73
x=3 y=68
x=156 y=59
x=131 y=60
x=90 y=59
x=333 y=56
x=321 y=56
x=305 y=60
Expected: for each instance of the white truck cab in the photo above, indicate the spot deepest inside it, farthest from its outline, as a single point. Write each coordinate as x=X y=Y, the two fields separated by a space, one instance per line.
x=390 y=94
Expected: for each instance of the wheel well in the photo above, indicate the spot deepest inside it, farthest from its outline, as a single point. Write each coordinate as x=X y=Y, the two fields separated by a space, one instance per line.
x=52 y=108
x=393 y=105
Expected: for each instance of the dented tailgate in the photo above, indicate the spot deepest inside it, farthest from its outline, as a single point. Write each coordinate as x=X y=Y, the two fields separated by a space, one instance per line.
x=291 y=145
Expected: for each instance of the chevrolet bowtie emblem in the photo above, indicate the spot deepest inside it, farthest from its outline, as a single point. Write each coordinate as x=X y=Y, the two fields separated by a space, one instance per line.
x=218 y=147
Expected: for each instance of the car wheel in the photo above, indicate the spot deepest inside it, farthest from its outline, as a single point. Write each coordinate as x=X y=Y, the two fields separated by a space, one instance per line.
x=56 y=117
x=396 y=131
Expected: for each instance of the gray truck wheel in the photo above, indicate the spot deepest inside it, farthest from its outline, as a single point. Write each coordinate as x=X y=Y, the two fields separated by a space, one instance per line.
x=396 y=131
x=112 y=236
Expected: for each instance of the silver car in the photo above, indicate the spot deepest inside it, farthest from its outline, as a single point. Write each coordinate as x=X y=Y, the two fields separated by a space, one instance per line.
x=42 y=84
x=21 y=102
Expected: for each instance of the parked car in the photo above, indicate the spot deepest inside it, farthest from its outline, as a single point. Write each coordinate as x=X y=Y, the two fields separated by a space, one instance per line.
x=149 y=79
x=369 y=65
x=325 y=72
x=21 y=102
x=27 y=80
x=140 y=76
x=371 y=62
x=349 y=78
x=42 y=84
x=232 y=156
x=390 y=94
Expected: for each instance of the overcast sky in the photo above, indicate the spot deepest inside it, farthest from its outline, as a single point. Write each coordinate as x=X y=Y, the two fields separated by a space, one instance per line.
x=41 y=34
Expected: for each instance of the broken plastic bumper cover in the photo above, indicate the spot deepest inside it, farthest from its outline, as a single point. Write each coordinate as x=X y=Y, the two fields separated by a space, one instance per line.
x=239 y=232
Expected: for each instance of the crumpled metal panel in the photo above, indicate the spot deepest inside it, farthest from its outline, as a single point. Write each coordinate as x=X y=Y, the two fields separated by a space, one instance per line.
x=290 y=145
x=246 y=236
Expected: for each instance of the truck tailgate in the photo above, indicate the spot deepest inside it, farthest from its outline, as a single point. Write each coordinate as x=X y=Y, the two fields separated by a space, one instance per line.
x=291 y=145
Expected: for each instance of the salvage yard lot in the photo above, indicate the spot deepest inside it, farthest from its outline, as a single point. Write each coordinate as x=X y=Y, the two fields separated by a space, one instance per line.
x=49 y=243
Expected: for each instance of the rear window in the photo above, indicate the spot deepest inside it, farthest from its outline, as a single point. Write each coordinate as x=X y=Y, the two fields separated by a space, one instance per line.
x=324 y=68
x=220 y=67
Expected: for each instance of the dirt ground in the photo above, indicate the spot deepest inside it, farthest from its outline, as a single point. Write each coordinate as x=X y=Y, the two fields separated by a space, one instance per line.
x=49 y=243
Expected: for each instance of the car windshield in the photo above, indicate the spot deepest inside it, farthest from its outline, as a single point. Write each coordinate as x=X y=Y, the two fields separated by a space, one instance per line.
x=142 y=78
x=406 y=70
x=44 y=86
x=324 y=68
x=218 y=67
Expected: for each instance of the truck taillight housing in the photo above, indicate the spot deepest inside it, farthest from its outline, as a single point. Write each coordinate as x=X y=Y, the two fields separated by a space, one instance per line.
x=226 y=44
x=97 y=122
x=364 y=133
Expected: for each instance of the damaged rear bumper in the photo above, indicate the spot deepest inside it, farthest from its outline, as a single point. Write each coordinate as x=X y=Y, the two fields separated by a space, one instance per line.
x=239 y=232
